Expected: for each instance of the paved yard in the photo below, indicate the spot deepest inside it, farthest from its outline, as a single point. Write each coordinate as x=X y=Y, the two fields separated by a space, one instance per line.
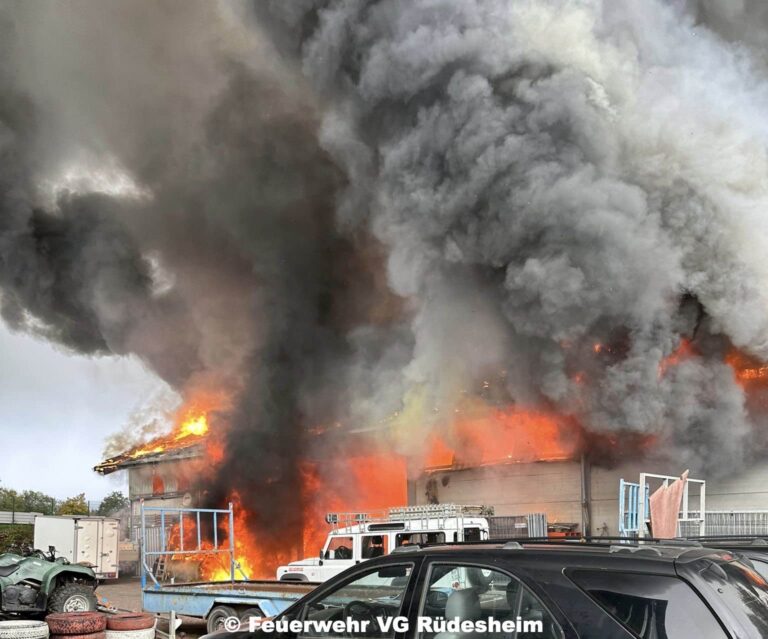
x=125 y=593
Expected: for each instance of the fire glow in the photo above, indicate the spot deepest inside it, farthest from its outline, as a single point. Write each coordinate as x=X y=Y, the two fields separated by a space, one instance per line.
x=192 y=427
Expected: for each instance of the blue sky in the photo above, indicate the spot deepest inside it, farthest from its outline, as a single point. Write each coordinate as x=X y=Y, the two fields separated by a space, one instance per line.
x=56 y=410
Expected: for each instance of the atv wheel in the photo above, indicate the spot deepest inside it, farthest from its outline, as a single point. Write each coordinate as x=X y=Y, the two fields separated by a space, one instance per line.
x=72 y=598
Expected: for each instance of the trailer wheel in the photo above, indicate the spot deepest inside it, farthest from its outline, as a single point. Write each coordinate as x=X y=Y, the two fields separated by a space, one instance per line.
x=245 y=616
x=217 y=616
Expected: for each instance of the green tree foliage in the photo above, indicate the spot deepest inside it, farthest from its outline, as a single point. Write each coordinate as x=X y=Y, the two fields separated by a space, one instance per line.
x=27 y=501
x=74 y=506
x=112 y=503
x=16 y=538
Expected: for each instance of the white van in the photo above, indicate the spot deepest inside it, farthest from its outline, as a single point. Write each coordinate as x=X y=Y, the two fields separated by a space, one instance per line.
x=356 y=537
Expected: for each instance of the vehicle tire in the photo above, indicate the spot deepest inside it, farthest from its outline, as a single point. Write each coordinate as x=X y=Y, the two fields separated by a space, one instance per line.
x=76 y=623
x=23 y=630
x=245 y=616
x=130 y=621
x=146 y=633
x=72 y=598
x=215 y=620
x=91 y=635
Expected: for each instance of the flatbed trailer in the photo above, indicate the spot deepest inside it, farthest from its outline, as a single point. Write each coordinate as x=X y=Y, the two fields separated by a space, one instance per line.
x=258 y=598
x=212 y=601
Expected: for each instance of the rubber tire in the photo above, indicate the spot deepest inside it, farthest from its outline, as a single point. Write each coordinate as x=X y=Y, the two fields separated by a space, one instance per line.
x=217 y=616
x=130 y=621
x=76 y=623
x=59 y=596
x=92 y=635
x=250 y=612
x=23 y=630
x=147 y=633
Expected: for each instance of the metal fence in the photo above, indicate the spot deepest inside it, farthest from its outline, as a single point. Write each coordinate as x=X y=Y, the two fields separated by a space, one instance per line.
x=730 y=522
x=512 y=526
x=9 y=517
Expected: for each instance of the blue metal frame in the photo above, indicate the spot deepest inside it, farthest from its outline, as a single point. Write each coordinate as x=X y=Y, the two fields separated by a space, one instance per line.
x=198 y=550
x=629 y=501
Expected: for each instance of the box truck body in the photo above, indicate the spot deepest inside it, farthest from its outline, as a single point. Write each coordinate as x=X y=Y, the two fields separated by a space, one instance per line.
x=82 y=540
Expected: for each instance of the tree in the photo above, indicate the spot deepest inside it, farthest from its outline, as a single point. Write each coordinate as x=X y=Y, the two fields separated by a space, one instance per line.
x=28 y=501
x=112 y=503
x=74 y=506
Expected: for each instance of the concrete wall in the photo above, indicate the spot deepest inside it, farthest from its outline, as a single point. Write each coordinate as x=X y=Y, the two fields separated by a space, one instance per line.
x=512 y=489
x=555 y=488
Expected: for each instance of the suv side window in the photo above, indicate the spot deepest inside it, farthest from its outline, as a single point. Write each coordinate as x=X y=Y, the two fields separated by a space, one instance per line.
x=405 y=539
x=374 y=596
x=651 y=606
x=374 y=546
x=340 y=548
x=480 y=593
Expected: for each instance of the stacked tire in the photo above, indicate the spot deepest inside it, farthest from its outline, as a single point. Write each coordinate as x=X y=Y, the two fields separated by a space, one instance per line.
x=77 y=625
x=131 y=625
x=23 y=630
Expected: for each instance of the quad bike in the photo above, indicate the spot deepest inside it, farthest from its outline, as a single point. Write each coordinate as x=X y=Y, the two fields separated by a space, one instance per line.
x=40 y=583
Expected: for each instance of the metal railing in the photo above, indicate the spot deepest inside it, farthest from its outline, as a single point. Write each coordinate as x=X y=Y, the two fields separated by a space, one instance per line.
x=731 y=522
x=155 y=540
x=634 y=511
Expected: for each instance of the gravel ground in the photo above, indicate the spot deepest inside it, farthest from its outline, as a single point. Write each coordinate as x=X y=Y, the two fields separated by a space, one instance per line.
x=125 y=593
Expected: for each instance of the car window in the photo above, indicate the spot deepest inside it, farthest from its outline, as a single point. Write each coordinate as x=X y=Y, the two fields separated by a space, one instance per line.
x=482 y=594
x=472 y=534
x=651 y=606
x=374 y=546
x=761 y=567
x=371 y=599
x=404 y=539
x=339 y=548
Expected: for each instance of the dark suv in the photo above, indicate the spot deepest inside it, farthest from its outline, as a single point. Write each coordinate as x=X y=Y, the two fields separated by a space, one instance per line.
x=542 y=591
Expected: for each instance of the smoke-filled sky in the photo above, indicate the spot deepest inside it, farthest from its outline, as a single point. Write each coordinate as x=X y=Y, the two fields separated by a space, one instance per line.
x=331 y=211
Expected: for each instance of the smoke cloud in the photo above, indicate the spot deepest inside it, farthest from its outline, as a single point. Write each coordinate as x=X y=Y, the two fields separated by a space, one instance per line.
x=346 y=212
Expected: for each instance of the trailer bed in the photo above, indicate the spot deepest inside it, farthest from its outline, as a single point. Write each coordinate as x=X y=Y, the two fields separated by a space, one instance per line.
x=198 y=599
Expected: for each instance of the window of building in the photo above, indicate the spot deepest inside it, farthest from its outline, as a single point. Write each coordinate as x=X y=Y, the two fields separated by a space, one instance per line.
x=651 y=606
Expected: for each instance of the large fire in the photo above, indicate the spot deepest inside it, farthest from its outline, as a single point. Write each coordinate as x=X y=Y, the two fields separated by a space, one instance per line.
x=192 y=426
x=476 y=433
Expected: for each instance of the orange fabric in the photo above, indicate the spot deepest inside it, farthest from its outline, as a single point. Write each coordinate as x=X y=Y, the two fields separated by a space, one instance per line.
x=665 y=508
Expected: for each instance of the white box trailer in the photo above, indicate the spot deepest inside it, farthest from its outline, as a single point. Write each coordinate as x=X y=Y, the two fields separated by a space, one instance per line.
x=82 y=540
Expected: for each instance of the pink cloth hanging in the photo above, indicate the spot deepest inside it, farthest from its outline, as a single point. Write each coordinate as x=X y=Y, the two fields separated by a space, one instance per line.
x=665 y=508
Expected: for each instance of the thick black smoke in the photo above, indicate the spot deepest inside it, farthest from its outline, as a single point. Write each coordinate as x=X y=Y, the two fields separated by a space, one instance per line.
x=560 y=177
x=341 y=212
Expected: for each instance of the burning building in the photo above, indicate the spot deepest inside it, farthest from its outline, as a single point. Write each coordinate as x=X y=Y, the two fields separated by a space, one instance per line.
x=360 y=216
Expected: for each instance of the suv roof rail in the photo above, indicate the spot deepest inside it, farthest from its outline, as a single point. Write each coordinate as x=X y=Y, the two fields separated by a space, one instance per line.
x=634 y=549
x=512 y=545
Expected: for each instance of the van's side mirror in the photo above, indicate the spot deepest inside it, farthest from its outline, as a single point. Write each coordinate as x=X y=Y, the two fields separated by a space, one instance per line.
x=321 y=557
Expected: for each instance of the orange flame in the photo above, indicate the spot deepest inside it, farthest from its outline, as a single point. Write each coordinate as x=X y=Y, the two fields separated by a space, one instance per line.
x=485 y=435
x=747 y=369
